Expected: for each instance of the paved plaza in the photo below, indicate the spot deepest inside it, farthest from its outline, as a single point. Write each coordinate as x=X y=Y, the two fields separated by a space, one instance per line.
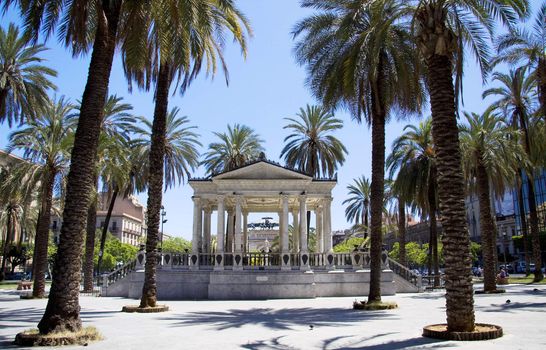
x=323 y=323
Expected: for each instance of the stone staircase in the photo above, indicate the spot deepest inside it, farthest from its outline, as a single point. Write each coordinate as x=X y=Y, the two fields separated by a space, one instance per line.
x=406 y=280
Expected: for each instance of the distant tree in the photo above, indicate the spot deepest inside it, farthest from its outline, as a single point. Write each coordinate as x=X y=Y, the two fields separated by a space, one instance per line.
x=311 y=148
x=358 y=204
x=236 y=147
x=176 y=245
x=24 y=81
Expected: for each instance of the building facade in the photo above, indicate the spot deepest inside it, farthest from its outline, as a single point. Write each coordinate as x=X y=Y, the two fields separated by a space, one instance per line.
x=127 y=222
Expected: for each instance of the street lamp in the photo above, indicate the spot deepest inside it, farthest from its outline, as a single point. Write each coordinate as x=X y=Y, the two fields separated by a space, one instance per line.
x=504 y=240
x=163 y=220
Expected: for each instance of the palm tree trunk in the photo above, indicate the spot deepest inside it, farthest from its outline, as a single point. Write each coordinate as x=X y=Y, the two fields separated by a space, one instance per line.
x=402 y=231
x=533 y=217
x=155 y=184
x=377 y=187
x=535 y=238
x=105 y=228
x=487 y=228
x=63 y=309
x=5 y=249
x=90 y=244
x=456 y=240
x=433 y=244
x=541 y=79
x=523 y=222
x=42 y=236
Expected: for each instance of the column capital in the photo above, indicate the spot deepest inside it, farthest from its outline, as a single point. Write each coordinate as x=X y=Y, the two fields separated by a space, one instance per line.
x=302 y=197
x=220 y=197
x=207 y=208
x=318 y=209
x=327 y=200
x=196 y=199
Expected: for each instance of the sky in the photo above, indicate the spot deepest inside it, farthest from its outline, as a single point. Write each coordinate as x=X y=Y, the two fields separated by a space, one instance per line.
x=263 y=89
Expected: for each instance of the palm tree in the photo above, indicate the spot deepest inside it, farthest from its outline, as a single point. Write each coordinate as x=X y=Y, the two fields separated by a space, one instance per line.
x=528 y=46
x=46 y=143
x=115 y=126
x=310 y=147
x=358 y=208
x=78 y=23
x=490 y=158
x=443 y=30
x=24 y=81
x=357 y=60
x=181 y=142
x=236 y=147
x=516 y=103
x=164 y=40
x=413 y=156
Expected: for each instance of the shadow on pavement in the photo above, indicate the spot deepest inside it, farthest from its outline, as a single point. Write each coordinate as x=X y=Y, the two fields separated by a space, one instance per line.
x=278 y=319
x=355 y=342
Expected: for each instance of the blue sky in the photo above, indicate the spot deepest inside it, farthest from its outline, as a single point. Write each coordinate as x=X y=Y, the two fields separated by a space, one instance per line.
x=265 y=88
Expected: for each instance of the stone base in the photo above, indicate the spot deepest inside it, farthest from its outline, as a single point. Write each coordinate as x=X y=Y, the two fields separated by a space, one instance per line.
x=263 y=284
x=145 y=310
x=481 y=331
x=34 y=338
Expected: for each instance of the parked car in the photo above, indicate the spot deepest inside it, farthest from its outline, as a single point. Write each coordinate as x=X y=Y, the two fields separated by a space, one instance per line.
x=520 y=267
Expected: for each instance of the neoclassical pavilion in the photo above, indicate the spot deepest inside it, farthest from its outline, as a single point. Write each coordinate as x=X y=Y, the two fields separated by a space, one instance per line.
x=229 y=270
x=267 y=187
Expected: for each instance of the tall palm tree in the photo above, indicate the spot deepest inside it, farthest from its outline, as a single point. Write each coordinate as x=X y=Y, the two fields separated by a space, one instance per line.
x=115 y=127
x=181 y=153
x=236 y=147
x=84 y=26
x=413 y=157
x=46 y=142
x=516 y=103
x=443 y=30
x=310 y=147
x=24 y=81
x=528 y=46
x=163 y=41
x=358 y=60
x=490 y=158
x=358 y=204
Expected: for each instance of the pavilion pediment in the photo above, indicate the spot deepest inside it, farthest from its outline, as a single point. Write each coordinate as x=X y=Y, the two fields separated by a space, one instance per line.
x=262 y=171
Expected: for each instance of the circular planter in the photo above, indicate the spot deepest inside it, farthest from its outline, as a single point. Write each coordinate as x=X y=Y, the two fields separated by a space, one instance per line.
x=496 y=291
x=34 y=338
x=362 y=305
x=145 y=310
x=482 y=331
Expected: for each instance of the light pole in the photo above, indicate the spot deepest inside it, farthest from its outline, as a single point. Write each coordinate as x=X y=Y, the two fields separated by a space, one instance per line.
x=163 y=220
x=504 y=247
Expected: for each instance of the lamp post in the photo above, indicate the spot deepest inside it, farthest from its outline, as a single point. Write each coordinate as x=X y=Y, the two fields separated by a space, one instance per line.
x=504 y=247
x=163 y=220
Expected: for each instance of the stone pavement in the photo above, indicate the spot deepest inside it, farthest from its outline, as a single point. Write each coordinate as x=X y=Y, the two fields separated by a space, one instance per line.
x=286 y=324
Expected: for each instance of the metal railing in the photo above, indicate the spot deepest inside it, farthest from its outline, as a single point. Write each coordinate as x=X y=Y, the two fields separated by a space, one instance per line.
x=120 y=272
x=408 y=275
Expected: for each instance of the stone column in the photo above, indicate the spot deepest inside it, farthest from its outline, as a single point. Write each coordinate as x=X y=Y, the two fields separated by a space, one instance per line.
x=229 y=235
x=284 y=233
x=296 y=232
x=327 y=224
x=245 y=231
x=303 y=224
x=197 y=233
x=238 y=229
x=318 y=229
x=279 y=213
x=220 y=230
x=197 y=216
x=304 y=253
x=206 y=231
